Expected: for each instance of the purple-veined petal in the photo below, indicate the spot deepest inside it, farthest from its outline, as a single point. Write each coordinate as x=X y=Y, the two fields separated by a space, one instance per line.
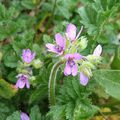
x=20 y=84
x=24 y=116
x=67 y=70
x=83 y=79
x=33 y=55
x=79 y=33
x=60 y=40
x=68 y=56
x=27 y=55
x=71 y=31
x=60 y=53
x=51 y=48
x=27 y=84
x=77 y=56
x=74 y=70
x=98 y=50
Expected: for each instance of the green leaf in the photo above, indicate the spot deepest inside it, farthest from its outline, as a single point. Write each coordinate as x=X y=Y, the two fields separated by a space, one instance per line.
x=2 y=11
x=14 y=116
x=7 y=90
x=28 y=4
x=57 y=112
x=110 y=81
x=47 y=39
x=38 y=94
x=116 y=61
x=35 y=113
x=84 y=110
x=8 y=109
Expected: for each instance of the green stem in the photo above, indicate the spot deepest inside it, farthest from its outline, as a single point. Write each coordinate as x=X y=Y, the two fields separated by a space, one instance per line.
x=110 y=104
x=52 y=82
x=108 y=113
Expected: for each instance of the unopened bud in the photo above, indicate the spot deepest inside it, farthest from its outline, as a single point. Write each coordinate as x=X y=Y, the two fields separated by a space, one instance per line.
x=83 y=43
x=94 y=59
x=32 y=78
x=37 y=63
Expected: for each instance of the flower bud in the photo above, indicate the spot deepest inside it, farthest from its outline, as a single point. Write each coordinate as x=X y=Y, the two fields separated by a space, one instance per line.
x=87 y=72
x=32 y=78
x=94 y=59
x=37 y=63
x=87 y=64
x=83 y=43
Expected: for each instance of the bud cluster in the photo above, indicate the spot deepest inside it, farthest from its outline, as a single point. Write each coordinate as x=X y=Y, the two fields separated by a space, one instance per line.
x=24 y=68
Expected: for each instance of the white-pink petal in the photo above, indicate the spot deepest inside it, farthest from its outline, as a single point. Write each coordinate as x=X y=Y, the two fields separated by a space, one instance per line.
x=71 y=31
x=60 y=40
x=83 y=79
x=51 y=47
x=74 y=70
x=98 y=50
x=67 y=69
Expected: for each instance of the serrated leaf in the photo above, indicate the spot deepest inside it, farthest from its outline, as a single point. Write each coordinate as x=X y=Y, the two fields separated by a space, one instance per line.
x=14 y=116
x=38 y=94
x=35 y=113
x=47 y=39
x=28 y=4
x=6 y=111
x=110 y=81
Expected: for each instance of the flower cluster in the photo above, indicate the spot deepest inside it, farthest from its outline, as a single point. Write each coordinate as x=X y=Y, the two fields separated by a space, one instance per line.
x=24 y=69
x=68 y=47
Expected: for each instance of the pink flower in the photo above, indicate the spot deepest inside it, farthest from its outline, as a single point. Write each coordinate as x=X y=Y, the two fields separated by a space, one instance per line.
x=71 y=66
x=83 y=78
x=71 y=32
x=28 y=56
x=24 y=116
x=22 y=81
x=97 y=51
x=60 y=45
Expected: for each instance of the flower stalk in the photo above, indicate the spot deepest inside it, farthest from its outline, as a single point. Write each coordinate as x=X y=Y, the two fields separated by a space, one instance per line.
x=52 y=82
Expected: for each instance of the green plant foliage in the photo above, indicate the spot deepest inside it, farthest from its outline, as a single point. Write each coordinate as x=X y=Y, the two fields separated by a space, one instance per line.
x=7 y=90
x=97 y=17
x=35 y=113
x=73 y=102
x=31 y=24
x=14 y=116
x=6 y=111
x=110 y=81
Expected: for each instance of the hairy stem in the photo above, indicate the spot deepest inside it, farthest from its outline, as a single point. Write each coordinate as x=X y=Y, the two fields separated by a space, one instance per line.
x=52 y=82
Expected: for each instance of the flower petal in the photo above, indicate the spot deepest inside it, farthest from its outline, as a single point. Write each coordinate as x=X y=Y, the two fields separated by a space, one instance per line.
x=20 y=84
x=74 y=70
x=27 y=55
x=77 y=56
x=68 y=56
x=60 y=40
x=27 y=84
x=83 y=79
x=71 y=31
x=24 y=116
x=67 y=70
x=98 y=50
x=51 y=48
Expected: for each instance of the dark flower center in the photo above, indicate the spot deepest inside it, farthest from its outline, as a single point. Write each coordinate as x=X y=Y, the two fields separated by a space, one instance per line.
x=23 y=78
x=59 y=48
x=71 y=63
